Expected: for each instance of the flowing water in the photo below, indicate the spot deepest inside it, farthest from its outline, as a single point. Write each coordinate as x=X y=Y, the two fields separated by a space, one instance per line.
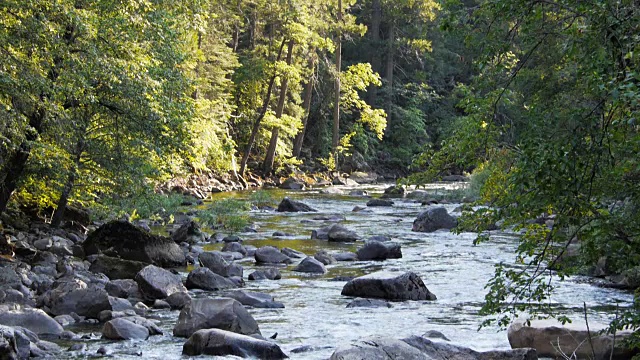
x=315 y=318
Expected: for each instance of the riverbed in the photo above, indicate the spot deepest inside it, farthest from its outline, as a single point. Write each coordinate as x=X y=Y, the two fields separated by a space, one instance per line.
x=315 y=319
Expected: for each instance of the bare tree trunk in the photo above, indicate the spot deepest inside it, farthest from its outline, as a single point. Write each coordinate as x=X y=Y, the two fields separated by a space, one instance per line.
x=14 y=167
x=263 y=111
x=376 y=18
x=336 y=107
x=389 y=70
x=308 y=92
x=267 y=167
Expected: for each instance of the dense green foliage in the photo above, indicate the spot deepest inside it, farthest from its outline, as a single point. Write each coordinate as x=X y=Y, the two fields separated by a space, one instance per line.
x=550 y=123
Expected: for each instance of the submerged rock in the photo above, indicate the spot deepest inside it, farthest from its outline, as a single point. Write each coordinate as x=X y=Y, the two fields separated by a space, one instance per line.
x=379 y=202
x=388 y=285
x=222 y=343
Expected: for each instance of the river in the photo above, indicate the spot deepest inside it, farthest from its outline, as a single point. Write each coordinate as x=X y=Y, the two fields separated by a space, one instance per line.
x=315 y=315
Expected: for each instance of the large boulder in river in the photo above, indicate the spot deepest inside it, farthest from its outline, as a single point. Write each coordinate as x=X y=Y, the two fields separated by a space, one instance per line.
x=158 y=283
x=554 y=340
x=288 y=205
x=127 y=241
x=339 y=233
x=116 y=268
x=434 y=219
x=388 y=285
x=223 y=343
x=224 y=314
x=205 y=279
x=35 y=320
x=21 y=343
x=271 y=255
x=376 y=250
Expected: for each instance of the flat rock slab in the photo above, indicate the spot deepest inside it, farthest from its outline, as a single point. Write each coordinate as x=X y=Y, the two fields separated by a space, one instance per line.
x=549 y=337
x=390 y=286
x=222 y=343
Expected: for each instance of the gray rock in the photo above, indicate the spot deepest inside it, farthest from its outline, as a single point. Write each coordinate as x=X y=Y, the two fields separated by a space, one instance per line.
x=271 y=255
x=116 y=268
x=215 y=261
x=445 y=350
x=178 y=300
x=125 y=240
x=224 y=314
x=266 y=274
x=322 y=233
x=455 y=178
x=292 y=184
x=375 y=250
x=235 y=247
x=378 y=348
x=388 y=285
x=310 y=265
x=434 y=219
x=224 y=343
x=324 y=257
x=288 y=205
x=369 y=303
x=87 y=302
x=254 y=299
x=35 y=320
x=379 y=202
x=158 y=283
x=339 y=233
x=123 y=329
x=123 y=288
x=189 y=232
x=338 y=180
x=205 y=279
x=294 y=254
x=381 y=238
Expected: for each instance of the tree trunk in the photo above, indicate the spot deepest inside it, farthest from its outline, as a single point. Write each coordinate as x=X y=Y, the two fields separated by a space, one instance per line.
x=263 y=111
x=267 y=167
x=336 y=107
x=58 y=215
x=308 y=92
x=14 y=167
x=389 y=70
x=376 y=18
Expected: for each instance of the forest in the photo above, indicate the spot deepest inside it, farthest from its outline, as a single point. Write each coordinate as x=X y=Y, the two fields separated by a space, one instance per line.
x=537 y=100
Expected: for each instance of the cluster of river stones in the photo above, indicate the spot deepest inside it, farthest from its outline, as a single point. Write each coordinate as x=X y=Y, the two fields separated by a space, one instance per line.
x=119 y=272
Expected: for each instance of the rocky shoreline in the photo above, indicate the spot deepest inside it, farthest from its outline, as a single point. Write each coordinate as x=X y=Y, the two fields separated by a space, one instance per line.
x=118 y=274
